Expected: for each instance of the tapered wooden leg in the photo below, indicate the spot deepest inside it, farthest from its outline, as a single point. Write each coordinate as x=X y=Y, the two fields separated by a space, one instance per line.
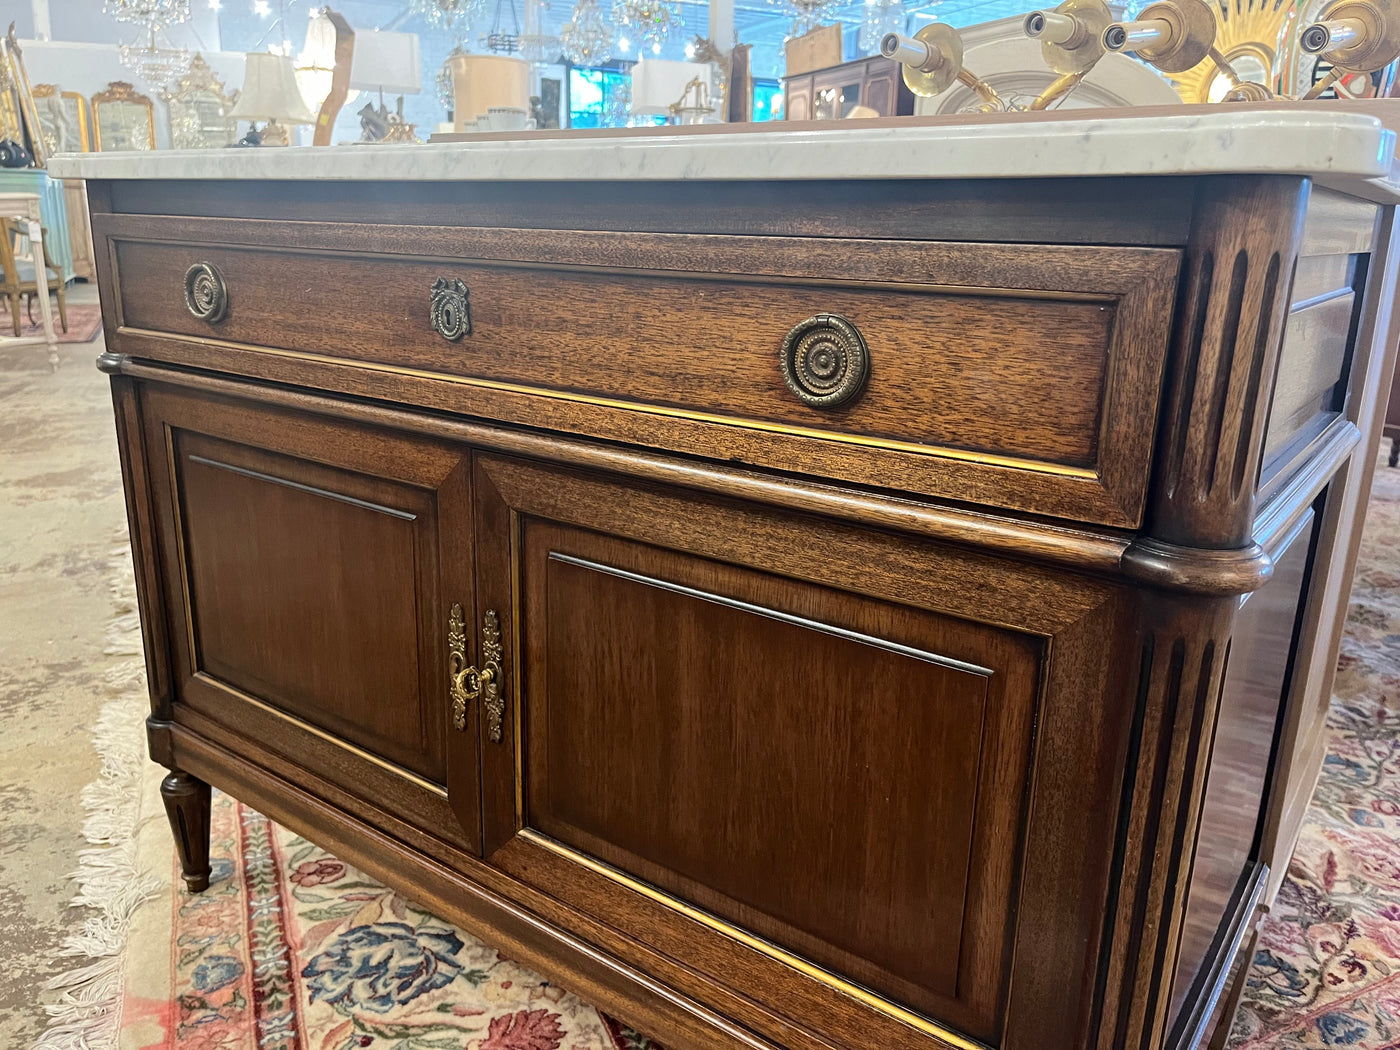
x=187 y=805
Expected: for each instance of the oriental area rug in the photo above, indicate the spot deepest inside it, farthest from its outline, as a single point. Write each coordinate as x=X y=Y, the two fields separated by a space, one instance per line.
x=84 y=322
x=292 y=949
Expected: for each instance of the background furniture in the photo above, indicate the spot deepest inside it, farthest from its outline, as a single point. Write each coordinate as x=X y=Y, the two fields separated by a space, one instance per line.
x=79 y=229
x=830 y=94
x=703 y=590
x=20 y=226
x=21 y=262
x=1392 y=422
x=53 y=210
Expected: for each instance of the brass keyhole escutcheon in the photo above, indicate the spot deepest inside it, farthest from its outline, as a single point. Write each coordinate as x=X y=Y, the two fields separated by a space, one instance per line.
x=825 y=361
x=450 y=311
x=206 y=295
x=467 y=683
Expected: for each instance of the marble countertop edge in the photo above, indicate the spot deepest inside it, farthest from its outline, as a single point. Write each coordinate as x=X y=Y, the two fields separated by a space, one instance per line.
x=1327 y=144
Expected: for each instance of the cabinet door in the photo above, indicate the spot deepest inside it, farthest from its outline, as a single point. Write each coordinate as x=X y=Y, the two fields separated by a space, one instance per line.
x=879 y=88
x=751 y=741
x=310 y=567
x=797 y=98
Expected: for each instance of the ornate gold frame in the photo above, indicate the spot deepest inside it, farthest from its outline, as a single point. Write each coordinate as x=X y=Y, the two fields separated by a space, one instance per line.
x=19 y=119
x=1247 y=29
x=199 y=80
x=81 y=108
x=121 y=91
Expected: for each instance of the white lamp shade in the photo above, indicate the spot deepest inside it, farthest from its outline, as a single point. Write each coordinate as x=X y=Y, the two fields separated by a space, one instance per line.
x=389 y=62
x=270 y=91
x=658 y=83
x=483 y=82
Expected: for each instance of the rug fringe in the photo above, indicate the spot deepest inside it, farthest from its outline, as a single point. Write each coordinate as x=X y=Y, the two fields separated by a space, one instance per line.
x=87 y=1015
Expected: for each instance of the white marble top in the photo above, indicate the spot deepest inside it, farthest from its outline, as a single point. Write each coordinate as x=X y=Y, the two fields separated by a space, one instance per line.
x=1336 y=147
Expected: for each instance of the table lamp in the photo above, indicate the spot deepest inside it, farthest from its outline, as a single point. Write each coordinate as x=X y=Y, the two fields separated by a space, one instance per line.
x=481 y=83
x=385 y=61
x=270 y=94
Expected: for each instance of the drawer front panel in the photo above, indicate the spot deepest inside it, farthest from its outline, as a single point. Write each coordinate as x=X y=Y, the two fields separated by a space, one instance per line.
x=948 y=370
x=1040 y=362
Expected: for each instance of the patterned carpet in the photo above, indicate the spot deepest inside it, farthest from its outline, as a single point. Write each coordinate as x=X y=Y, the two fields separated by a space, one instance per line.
x=1327 y=970
x=84 y=322
x=291 y=949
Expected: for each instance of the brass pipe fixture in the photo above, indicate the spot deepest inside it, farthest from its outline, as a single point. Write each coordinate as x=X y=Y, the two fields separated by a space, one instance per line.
x=1172 y=35
x=933 y=60
x=1071 y=43
x=1356 y=36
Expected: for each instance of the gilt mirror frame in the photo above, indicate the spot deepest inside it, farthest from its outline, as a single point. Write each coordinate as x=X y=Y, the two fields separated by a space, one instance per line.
x=190 y=126
x=18 y=115
x=120 y=93
x=71 y=108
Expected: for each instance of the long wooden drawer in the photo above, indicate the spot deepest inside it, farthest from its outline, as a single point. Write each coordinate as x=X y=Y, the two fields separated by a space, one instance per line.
x=1026 y=376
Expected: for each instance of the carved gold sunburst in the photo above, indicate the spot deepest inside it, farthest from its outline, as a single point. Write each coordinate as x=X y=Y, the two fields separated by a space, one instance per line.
x=1252 y=36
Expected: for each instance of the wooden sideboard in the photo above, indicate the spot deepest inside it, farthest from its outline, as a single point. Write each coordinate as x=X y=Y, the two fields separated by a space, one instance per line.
x=831 y=93
x=795 y=620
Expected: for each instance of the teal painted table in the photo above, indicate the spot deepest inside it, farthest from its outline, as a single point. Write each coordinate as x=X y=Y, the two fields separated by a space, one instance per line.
x=52 y=209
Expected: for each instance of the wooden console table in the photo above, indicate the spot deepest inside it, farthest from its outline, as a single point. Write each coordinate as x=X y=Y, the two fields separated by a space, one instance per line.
x=796 y=590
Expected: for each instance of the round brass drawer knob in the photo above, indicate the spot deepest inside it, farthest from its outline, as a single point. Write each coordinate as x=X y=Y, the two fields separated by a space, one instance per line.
x=206 y=295
x=825 y=361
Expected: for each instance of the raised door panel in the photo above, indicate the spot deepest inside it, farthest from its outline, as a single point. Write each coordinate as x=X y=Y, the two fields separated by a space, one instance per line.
x=783 y=756
x=756 y=745
x=309 y=565
x=879 y=90
x=797 y=98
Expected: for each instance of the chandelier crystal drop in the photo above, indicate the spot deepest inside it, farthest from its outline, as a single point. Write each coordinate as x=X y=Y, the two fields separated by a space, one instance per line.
x=881 y=17
x=453 y=17
x=587 y=38
x=809 y=14
x=652 y=22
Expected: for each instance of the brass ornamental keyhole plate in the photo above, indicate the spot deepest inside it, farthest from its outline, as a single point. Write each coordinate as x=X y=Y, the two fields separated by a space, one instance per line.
x=450 y=310
x=466 y=683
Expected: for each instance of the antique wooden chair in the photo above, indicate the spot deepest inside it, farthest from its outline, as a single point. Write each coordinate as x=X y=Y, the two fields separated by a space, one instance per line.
x=17 y=272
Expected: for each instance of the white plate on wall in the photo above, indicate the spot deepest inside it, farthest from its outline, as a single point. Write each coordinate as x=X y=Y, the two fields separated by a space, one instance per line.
x=1000 y=53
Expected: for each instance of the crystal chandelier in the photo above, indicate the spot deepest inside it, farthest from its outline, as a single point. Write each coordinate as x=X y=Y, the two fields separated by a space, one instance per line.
x=157 y=66
x=654 y=22
x=154 y=14
x=881 y=17
x=586 y=38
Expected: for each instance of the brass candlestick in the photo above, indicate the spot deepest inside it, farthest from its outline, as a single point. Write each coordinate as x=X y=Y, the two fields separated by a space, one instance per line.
x=933 y=59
